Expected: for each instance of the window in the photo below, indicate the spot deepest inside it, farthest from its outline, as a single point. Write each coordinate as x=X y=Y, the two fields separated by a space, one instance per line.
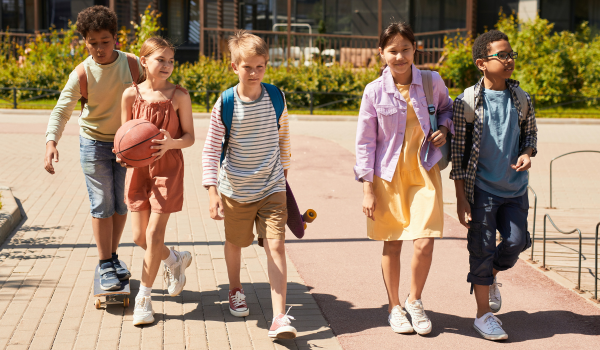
x=13 y=15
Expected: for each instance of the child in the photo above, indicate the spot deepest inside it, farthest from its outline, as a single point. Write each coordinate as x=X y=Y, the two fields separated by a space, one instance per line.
x=109 y=72
x=402 y=190
x=153 y=192
x=496 y=135
x=253 y=175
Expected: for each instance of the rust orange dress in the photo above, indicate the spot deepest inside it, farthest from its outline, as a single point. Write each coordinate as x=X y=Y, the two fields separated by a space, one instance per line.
x=158 y=186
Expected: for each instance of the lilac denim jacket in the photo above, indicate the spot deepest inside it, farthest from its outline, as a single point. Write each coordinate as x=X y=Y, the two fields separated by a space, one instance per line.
x=382 y=122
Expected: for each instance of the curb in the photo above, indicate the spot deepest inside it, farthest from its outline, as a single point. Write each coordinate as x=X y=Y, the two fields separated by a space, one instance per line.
x=10 y=214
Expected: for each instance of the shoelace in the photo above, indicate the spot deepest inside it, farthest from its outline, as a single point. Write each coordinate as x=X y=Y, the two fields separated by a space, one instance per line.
x=168 y=275
x=140 y=303
x=400 y=317
x=494 y=291
x=418 y=313
x=238 y=299
x=493 y=322
x=285 y=320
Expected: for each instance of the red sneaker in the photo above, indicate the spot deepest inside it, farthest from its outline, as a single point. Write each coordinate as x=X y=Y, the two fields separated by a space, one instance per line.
x=237 y=303
x=281 y=327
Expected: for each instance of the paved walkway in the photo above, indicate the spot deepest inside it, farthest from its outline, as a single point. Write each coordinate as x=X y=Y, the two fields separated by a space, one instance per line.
x=335 y=279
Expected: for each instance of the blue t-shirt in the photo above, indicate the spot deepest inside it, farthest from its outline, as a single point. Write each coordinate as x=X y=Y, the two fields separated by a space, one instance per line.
x=500 y=147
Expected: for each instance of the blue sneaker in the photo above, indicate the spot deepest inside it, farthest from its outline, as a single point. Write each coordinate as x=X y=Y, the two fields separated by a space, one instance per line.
x=108 y=277
x=122 y=272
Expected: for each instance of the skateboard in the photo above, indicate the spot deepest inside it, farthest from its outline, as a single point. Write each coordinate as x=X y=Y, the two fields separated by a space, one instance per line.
x=296 y=222
x=119 y=296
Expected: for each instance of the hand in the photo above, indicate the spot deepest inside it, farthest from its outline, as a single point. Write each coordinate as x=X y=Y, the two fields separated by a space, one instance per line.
x=438 y=138
x=369 y=201
x=523 y=163
x=120 y=161
x=163 y=145
x=285 y=173
x=463 y=208
x=51 y=154
x=215 y=204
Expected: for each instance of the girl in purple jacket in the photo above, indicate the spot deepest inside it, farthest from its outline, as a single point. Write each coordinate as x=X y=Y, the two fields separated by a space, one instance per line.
x=402 y=188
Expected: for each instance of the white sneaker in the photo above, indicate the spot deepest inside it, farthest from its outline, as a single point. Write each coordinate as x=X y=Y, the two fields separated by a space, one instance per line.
x=143 y=313
x=174 y=276
x=397 y=319
x=489 y=326
x=420 y=321
x=495 y=297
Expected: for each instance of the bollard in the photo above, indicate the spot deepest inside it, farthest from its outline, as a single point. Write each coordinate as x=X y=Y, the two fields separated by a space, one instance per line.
x=14 y=98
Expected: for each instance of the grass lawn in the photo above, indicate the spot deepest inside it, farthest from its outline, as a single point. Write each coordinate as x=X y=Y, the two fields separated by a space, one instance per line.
x=541 y=112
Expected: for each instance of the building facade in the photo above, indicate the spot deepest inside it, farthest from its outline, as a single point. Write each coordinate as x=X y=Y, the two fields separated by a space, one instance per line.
x=182 y=18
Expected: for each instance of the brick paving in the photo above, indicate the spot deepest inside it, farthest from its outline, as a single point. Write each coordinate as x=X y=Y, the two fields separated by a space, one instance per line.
x=46 y=269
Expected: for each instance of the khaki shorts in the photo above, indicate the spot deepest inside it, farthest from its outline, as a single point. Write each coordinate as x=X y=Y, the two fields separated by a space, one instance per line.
x=270 y=215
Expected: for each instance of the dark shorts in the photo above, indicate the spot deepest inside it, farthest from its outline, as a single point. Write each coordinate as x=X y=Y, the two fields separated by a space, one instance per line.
x=490 y=213
x=104 y=178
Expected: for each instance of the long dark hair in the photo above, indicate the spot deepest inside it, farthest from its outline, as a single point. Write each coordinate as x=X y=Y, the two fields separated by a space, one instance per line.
x=398 y=28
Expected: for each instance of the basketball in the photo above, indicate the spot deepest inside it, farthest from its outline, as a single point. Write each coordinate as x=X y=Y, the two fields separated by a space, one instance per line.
x=133 y=141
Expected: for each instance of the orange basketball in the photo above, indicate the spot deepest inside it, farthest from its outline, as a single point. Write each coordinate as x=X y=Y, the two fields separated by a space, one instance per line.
x=133 y=141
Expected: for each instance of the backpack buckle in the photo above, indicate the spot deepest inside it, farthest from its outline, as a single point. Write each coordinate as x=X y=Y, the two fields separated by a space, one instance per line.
x=431 y=109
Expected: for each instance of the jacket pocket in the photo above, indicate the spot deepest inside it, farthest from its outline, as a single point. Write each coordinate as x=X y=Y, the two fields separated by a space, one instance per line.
x=475 y=239
x=387 y=117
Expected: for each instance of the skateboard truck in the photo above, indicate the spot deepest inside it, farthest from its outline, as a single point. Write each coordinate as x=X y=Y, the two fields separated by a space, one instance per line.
x=111 y=299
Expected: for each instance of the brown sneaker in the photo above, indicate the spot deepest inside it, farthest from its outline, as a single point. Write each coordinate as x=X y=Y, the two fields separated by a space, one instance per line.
x=237 y=303
x=281 y=327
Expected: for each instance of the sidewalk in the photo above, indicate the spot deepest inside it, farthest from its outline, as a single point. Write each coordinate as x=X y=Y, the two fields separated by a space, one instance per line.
x=335 y=278
x=46 y=270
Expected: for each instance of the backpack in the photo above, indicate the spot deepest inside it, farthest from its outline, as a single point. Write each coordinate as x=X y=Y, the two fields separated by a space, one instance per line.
x=227 y=103
x=445 y=148
x=82 y=76
x=469 y=113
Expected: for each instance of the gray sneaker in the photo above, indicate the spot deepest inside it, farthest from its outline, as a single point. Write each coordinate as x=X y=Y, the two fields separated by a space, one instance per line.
x=174 y=276
x=122 y=272
x=108 y=277
x=495 y=297
x=490 y=327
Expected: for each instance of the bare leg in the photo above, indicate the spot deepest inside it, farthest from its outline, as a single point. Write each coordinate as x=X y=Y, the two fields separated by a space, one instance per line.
x=421 y=262
x=277 y=267
x=139 y=226
x=233 y=260
x=103 y=234
x=156 y=250
x=117 y=231
x=482 y=297
x=390 y=266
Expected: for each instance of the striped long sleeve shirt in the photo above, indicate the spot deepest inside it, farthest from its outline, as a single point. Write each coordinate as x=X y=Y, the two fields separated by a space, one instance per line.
x=257 y=153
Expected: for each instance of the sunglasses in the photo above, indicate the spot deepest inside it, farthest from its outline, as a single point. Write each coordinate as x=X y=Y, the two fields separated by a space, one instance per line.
x=504 y=55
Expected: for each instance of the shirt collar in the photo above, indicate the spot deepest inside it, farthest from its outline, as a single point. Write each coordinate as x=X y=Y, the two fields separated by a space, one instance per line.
x=388 y=80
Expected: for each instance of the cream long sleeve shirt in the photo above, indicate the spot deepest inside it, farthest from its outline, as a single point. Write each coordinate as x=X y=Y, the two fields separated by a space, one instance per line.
x=101 y=116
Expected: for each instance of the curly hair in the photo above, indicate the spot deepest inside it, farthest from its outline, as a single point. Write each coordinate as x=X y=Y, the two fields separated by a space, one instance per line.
x=97 y=18
x=482 y=45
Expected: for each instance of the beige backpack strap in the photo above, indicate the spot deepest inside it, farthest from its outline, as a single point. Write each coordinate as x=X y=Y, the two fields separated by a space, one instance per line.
x=83 y=86
x=133 y=67
x=469 y=104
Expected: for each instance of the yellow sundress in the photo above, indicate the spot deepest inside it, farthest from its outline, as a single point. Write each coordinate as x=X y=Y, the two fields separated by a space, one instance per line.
x=411 y=205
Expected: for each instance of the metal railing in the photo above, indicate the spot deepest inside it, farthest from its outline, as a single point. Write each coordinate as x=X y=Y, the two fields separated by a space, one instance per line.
x=596 y=266
x=303 y=100
x=534 y=218
x=555 y=158
x=543 y=267
x=304 y=48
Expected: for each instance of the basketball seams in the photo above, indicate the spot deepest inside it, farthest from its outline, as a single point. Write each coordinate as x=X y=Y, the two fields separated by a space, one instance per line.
x=120 y=152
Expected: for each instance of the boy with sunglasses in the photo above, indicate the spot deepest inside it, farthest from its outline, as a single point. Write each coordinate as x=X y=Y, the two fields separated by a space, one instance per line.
x=495 y=137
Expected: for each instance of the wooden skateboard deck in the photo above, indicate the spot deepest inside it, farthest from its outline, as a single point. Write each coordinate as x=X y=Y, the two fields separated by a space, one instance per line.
x=112 y=296
x=296 y=221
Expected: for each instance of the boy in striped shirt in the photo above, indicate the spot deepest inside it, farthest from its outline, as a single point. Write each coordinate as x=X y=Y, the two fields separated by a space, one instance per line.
x=252 y=177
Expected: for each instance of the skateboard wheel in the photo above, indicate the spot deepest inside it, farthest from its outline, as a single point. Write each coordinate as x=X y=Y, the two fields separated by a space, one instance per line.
x=126 y=302
x=304 y=223
x=309 y=216
x=98 y=303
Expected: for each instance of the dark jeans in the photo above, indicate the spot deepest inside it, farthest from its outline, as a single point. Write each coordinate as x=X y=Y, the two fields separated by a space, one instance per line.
x=490 y=213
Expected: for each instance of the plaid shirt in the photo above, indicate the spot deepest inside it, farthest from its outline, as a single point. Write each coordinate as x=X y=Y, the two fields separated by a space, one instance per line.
x=528 y=134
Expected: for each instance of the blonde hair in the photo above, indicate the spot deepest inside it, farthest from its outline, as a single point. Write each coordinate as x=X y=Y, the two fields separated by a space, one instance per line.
x=152 y=45
x=243 y=45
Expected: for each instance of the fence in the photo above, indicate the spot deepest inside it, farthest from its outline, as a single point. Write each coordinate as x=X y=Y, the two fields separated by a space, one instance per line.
x=305 y=48
x=16 y=97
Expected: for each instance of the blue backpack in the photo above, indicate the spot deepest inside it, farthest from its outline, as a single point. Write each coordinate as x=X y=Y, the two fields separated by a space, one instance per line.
x=227 y=103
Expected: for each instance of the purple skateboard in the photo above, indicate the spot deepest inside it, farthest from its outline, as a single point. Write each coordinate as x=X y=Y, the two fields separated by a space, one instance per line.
x=297 y=222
